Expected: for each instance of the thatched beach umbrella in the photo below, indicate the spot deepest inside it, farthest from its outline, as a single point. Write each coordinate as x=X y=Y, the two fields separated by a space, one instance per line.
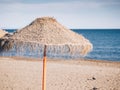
x=48 y=36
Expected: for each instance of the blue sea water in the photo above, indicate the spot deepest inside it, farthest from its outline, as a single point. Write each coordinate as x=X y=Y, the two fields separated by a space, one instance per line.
x=106 y=43
x=10 y=30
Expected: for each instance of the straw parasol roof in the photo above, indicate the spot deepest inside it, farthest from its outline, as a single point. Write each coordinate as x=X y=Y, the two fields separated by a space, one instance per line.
x=2 y=33
x=47 y=31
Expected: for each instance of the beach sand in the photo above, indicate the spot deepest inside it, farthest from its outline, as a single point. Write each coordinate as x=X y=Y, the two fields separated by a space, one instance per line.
x=26 y=74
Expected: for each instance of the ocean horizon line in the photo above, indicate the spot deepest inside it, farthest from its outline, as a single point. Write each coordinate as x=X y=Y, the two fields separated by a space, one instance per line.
x=97 y=29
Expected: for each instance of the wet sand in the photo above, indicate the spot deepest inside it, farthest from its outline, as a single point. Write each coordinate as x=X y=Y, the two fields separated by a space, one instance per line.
x=26 y=74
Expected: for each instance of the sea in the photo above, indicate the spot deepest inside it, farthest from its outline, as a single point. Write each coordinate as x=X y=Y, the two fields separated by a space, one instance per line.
x=106 y=43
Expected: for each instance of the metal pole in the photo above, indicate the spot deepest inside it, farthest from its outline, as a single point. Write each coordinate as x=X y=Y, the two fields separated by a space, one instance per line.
x=44 y=70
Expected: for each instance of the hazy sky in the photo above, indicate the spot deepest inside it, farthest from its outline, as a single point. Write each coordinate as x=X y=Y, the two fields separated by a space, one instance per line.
x=70 y=13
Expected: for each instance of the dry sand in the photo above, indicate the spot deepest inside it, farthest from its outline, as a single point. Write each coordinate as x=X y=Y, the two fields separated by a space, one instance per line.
x=25 y=74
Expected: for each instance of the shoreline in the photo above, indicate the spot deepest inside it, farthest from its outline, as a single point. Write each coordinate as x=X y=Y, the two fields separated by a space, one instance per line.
x=72 y=61
x=30 y=58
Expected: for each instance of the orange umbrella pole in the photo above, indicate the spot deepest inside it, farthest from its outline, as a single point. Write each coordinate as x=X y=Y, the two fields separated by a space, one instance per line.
x=44 y=70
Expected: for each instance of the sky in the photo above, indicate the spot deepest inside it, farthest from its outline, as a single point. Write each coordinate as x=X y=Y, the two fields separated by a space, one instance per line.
x=74 y=14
